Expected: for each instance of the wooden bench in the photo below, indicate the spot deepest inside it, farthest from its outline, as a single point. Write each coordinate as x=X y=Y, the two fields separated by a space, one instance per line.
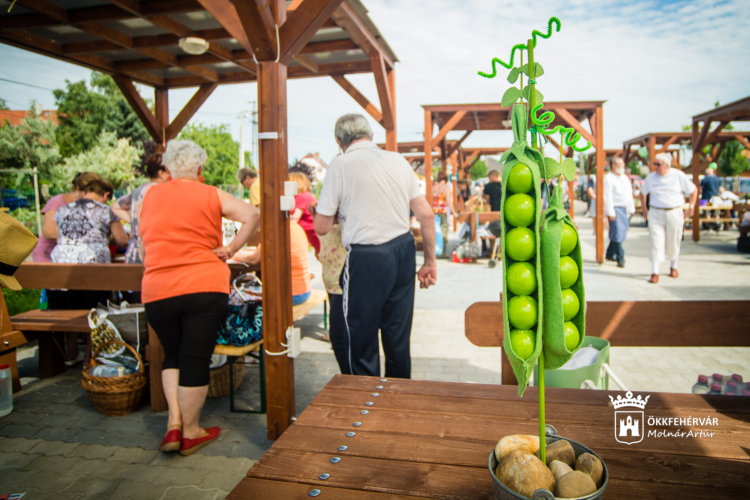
x=48 y=326
x=688 y=323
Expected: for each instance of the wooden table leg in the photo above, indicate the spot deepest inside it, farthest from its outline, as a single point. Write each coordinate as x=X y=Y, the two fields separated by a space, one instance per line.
x=156 y=361
x=51 y=353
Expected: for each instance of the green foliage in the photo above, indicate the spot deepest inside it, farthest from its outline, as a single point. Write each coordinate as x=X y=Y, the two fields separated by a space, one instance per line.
x=223 y=151
x=25 y=146
x=27 y=216
x=83 y=113
x=478 y=170
x=21 y=301
x=731 y=161
x=3 y=104
x=112 y=158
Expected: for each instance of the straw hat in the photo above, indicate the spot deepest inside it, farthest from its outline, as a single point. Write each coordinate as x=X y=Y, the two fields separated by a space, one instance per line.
x=17 y=244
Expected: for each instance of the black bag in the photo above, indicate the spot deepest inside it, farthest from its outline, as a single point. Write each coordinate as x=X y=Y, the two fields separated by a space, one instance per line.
x=743 y=244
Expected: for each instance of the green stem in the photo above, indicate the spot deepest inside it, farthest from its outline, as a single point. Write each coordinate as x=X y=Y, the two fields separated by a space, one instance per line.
x=532 y=104
x=542 y=442
x=521 y=75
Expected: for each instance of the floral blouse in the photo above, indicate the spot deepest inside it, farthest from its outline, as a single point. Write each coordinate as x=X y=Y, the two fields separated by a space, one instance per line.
x=133 y=201
x=333 y=256
x=84 y=233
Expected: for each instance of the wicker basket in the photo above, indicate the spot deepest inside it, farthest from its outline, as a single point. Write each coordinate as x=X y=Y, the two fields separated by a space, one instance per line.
x=218 y=387
x=115 y=396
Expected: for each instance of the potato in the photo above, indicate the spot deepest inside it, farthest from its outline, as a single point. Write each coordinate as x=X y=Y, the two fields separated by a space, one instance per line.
x=559 y=450
x=575 y=484
x=516 y=442
x=523 y=473
x=589 y=464
x=559 y=469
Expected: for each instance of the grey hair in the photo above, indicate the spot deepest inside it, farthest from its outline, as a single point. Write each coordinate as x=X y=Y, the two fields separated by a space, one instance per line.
x=664 y=157
x=183 y=158
x=352 y=127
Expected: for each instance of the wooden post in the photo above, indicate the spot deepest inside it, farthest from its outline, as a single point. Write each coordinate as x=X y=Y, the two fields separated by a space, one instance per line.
x=391 y=140
x=454 y=164
x=600 y=159
x=428 y=155
x=697 y=146
x=162 y=116
x=443 y=156
x=275 y=258
x=651 y=152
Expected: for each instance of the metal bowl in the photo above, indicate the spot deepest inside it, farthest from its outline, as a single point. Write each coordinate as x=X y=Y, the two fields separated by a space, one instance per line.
x=503 y=493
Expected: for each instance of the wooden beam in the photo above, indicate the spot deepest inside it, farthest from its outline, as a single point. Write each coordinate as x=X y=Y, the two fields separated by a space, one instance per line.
x=384 y=92
x=304 y=21
x=697 y=136
x=161 y=105
x=193 y=105
x=308 y=63
x=573 y=122
x=275 y=251
x=428 y=155
x=664 y=148
x=712 y=135
x=259 y=26
x=139 y=107
x=357 y=96
x=224 y=12
x=742 y=140
x=458 y=143
x=329 y=46
x=600 y=159
x=700 y=140
x=391 y=136
x=470 y=159
x=346 y=17
x=448 y=127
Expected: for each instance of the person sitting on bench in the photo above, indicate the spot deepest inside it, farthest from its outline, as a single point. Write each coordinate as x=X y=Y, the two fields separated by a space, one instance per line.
x=301 y=286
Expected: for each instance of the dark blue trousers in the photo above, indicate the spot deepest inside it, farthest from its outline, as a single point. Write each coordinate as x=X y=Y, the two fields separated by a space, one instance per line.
x=378 y=283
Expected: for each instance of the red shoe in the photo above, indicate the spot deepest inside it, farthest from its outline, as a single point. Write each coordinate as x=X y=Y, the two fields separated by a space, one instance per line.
x=172 y=440
x=190 y=446
x=654 y=278
x=673 y=272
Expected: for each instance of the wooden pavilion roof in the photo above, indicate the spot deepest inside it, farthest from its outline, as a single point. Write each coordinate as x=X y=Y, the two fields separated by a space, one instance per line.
x=139 y=39
x=733 y=112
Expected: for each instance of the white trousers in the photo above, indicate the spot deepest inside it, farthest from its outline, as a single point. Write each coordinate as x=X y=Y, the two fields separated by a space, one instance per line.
x=665 y=226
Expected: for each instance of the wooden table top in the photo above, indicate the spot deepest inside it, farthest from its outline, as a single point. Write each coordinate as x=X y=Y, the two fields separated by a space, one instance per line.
x=423 y=439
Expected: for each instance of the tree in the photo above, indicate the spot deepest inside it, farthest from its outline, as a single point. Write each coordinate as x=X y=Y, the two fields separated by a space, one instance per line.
x=223 y=151
x=112 y=158
x=732 y=162
x=3 y=104
x=25 y=146
x=84 y=113
x=478 y=170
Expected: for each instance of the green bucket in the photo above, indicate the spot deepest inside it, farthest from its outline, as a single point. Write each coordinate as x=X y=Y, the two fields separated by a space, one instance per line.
x=572 y=379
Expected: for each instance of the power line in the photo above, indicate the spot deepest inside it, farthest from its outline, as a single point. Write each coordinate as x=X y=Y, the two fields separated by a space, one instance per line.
x=25 y=84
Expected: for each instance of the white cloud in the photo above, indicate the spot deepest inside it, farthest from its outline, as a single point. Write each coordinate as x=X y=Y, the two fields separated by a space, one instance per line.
x=655 y=63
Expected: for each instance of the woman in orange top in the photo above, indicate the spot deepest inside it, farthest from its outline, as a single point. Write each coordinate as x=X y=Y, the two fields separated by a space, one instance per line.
x=186 y=283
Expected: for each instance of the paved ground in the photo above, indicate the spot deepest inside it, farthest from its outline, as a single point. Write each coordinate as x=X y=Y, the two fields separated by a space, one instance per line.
x=55 y=445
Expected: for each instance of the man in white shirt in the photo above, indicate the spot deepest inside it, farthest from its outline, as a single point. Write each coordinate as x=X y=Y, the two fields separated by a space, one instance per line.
x=668 y=188
x=618 y=206
x=370 y=191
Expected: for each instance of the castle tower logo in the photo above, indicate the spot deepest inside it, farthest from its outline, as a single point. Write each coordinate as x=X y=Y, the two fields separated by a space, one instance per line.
x=629 y=424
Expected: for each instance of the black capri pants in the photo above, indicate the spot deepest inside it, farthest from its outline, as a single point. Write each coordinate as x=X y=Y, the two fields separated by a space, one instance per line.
x=187 y=327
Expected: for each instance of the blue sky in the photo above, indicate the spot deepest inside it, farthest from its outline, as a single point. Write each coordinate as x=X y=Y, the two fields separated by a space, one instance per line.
x=656 y=63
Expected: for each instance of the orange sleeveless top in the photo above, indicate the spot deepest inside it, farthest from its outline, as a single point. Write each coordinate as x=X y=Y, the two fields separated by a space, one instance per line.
x=180 y=225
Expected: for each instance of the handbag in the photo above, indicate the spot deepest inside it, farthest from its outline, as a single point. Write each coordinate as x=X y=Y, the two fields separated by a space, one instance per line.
x=243 y=324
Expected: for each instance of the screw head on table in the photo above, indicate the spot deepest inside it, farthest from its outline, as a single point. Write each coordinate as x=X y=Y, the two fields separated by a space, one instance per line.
x=315 y=492
x=357 y=424
x=335 y=460
x=369 y=403
x=379 y=387
x=343 y=448
x=384 y=380
x=374 y=394
x=350 y=434
x=364 y=412
x=324 y=476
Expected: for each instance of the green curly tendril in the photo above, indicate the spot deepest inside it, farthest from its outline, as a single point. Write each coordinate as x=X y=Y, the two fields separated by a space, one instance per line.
x=521 y=46
x=571 y=136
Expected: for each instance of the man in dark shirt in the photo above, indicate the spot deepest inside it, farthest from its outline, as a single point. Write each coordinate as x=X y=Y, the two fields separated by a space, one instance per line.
x=493 y=191
x=710 y=183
